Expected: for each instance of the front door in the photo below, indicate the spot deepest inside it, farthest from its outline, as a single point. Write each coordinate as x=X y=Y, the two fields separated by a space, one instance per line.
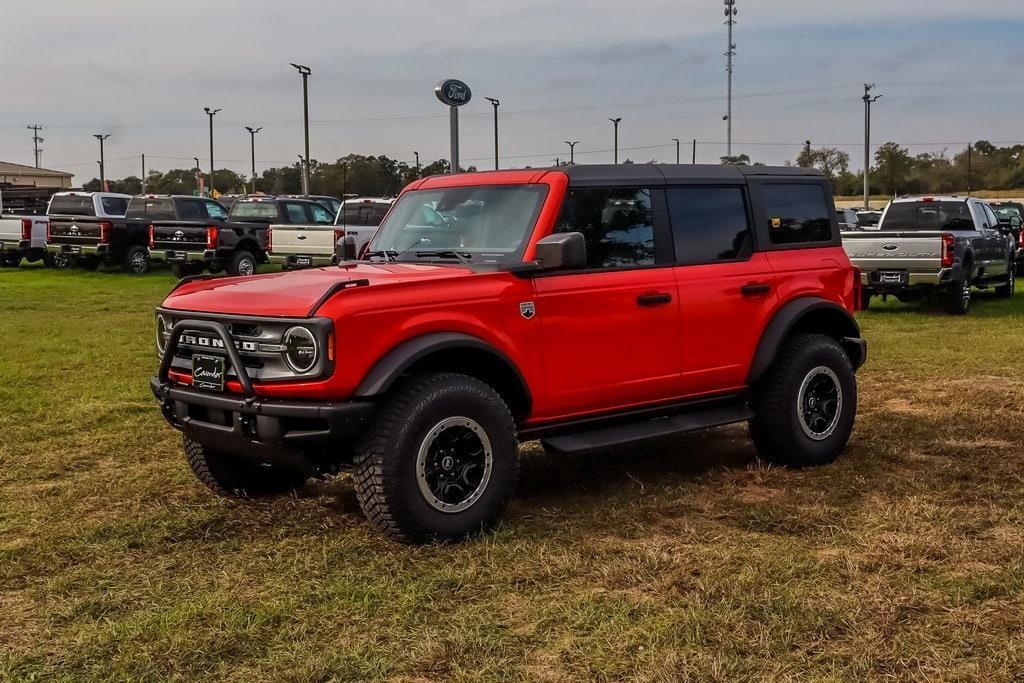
x=610 y=331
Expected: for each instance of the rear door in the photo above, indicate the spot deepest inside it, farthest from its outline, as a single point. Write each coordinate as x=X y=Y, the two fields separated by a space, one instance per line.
x=726 y=290
x=610 y=331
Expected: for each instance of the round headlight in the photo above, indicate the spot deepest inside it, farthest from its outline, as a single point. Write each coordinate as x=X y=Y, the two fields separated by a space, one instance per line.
x=161 y=330
x=300 y=349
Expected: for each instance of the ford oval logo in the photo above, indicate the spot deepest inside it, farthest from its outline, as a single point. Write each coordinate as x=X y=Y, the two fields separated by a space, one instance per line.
x=890 y=247
x=453 y=92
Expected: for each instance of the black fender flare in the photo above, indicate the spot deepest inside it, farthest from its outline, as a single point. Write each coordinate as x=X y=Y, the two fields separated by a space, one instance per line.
x=392 y=365
x=829 y=317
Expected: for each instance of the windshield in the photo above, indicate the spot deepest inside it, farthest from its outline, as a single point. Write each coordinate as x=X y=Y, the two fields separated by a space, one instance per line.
x=72 y=205
x=1005 y=213
x=153 y=209
x=928 y=216
x=485 y=224
x=261 y=211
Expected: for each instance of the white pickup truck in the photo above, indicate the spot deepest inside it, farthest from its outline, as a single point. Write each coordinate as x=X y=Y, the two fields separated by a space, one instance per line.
x=22 y=237
x=306 y=246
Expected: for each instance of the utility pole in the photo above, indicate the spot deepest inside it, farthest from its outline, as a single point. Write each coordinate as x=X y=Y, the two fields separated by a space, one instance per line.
x=868 y=99
x=572 y=150
x=211 y=113
x=305 y=71
x=970 y=148
x=252 y=149
x=693 y=159
x=103 y=177
x=615 y=124
x=417 y=155
x=730 y=20
x=199 y=175
x=143 y=189
x=35 y=128
x=676 y=140
x=495 y=103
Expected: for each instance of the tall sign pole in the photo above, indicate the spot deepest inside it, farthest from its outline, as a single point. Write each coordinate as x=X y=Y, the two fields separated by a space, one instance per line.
x=454 y=93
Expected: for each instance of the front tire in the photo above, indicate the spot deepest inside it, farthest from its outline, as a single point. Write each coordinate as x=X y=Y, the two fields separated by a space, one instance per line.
x=805 y=405
x=232 y=476
x=440 y=460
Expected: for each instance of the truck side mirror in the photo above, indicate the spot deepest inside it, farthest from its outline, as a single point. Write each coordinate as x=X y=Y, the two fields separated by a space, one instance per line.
x=562 y=250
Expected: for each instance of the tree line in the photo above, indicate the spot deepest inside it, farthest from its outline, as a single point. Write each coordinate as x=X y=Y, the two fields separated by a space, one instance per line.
x=895 y=172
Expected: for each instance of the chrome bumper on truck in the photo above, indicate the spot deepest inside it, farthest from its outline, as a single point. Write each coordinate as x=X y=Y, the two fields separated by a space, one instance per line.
x=180 y=255
x=300 y=260
x=263 y=429
x=876 y=279
x=78 y=249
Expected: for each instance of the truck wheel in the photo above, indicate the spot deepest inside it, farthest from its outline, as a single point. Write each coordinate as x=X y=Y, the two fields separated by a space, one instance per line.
x=805 y=404
x=959 y=297
x=136 y=260
x=242 y=263
x=10 y=260
x=229 y=475
x=1007 y=290
x=62 y=262
x=439 y=461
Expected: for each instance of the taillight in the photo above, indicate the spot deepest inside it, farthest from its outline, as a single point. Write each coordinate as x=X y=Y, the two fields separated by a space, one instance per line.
x=858 y=289
x=212 y=235
x=339 y=235
x=26 y=228
x=270 y=239
x=152 y=237
x=1020 y=239
x=105 y=231
x=947 y=251
x=47 y=231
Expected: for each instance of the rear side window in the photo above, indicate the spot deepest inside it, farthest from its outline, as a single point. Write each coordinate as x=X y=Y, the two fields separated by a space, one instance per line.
x=618 y=225
x=296 y=213
x=215 y=210
x=320 y=214
x=190 y=210
x=72 y=205
x=709 y=224
x=114 y=206
x=362 y=213
x=797 y=214
x=152 y=209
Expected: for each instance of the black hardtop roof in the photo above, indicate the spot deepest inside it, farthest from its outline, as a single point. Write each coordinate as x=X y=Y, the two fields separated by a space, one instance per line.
x=670 y=174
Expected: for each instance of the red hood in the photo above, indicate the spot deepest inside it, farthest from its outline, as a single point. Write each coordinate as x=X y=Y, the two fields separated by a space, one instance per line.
x=294 y=293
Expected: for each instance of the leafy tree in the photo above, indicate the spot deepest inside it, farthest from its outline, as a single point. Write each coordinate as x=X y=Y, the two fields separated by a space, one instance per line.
x=735 y=160
x=894 y=166
x=829 y=160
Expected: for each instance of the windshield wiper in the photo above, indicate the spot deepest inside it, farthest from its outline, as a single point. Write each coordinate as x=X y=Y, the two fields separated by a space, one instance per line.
x=386 y=254
x=463 y=257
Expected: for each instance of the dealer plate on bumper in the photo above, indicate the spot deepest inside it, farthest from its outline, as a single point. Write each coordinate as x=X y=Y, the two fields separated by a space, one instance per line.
x=208 y=372
x=892 y=277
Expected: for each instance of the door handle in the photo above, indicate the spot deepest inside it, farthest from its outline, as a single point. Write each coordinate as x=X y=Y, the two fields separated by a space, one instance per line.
x=655 y=299
x=755 y=288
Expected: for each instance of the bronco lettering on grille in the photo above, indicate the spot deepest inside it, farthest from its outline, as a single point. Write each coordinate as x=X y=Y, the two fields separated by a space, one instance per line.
x=214 y=342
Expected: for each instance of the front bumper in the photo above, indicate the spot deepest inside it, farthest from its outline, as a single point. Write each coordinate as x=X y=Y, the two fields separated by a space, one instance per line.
x=299 y=260
x=267 y=430
x=78 y=249
x=181 y=256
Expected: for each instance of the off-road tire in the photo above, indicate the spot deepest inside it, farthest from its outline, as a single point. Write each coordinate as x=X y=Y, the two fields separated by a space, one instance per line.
x=1007 y=290
x=776 y=426
x=235 y=477
x=242 y=262
x=136 y=260
x=385 y=472
x=958 y=297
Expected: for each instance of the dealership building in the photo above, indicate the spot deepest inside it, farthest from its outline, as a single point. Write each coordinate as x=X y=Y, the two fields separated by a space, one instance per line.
x=19 y=175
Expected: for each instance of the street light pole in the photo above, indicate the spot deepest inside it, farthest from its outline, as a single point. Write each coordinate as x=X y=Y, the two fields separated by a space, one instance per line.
x=495 y=102
x=615 y=124
x=143 y=189
x=199 y=174
x=572 y=150
x=676 y=140
x=252 y=148
x=417 y=164
x=103 y=176
x=730 y=20
x=211 y=113
x=693 y=159
x=305 y=71
x=868 y=99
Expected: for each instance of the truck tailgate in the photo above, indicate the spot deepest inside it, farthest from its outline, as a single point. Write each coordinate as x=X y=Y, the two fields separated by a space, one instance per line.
x=880 y=250
x=75 y=229
x=175 y=236
x=309 y=240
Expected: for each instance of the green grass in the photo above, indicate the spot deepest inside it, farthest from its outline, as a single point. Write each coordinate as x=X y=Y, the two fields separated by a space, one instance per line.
x=682 y=559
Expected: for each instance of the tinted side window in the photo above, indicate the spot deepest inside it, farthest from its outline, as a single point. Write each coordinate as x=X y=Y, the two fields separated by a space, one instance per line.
x=797 y=214
x=709 y=224
x=296 y=213
x=114 y=206
x=215 y=210
x=320 y=214
x=618 y=225
x=190 y=210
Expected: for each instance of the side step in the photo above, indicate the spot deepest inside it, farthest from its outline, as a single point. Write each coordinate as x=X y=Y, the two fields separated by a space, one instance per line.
x=649 y=429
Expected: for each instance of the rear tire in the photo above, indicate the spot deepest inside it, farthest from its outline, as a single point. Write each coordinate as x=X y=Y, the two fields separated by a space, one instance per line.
x=232 y=476
x=439 y=461
x=1007 y=290
x=865 y=300
x=242 y=263
x=136 y=260
x=958 y=298
x=805 y=405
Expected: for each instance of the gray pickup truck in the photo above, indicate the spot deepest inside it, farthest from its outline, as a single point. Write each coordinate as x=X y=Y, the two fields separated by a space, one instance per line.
x=934 y=247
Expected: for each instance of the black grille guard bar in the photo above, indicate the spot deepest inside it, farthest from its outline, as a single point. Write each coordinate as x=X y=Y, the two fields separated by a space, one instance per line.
x=229 y=346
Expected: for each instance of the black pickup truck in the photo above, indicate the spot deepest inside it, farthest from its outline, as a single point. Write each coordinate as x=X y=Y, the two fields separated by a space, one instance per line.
x=238 y=244
x=183 y=230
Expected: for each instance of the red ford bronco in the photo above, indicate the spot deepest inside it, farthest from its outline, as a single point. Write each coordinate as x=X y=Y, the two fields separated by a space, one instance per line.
x=585 y=307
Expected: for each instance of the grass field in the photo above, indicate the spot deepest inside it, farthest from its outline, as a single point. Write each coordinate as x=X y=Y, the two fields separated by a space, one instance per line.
x=682 y=559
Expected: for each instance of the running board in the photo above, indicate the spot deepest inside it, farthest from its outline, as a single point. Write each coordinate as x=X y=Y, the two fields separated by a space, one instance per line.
x=649 y=429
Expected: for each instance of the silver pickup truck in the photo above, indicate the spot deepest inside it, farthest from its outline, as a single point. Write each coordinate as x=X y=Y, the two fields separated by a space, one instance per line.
x=933 y=246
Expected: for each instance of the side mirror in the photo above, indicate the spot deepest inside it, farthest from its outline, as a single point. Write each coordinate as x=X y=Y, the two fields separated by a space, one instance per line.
x=562 y=250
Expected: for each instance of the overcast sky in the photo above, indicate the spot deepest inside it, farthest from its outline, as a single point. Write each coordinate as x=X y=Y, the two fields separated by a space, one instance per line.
x=950 y=72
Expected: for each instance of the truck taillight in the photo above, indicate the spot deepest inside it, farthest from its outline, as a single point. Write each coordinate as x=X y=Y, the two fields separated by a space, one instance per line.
x=947 y=251
x=105 y=231
x=340 y=235
x=858 y=289
x=212 y=235
x=1020 y=239
x=47 y=231
x=270 y=239
x=152 y=236
x=26 y=228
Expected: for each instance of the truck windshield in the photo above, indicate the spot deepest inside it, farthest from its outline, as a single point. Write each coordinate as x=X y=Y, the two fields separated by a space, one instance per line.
x=260 y=211
x=151 y=208
x=487 y=224
x=72 y=205
x=928 y=216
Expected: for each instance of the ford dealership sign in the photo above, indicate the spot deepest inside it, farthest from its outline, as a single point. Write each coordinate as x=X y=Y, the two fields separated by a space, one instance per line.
x=453 y=92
